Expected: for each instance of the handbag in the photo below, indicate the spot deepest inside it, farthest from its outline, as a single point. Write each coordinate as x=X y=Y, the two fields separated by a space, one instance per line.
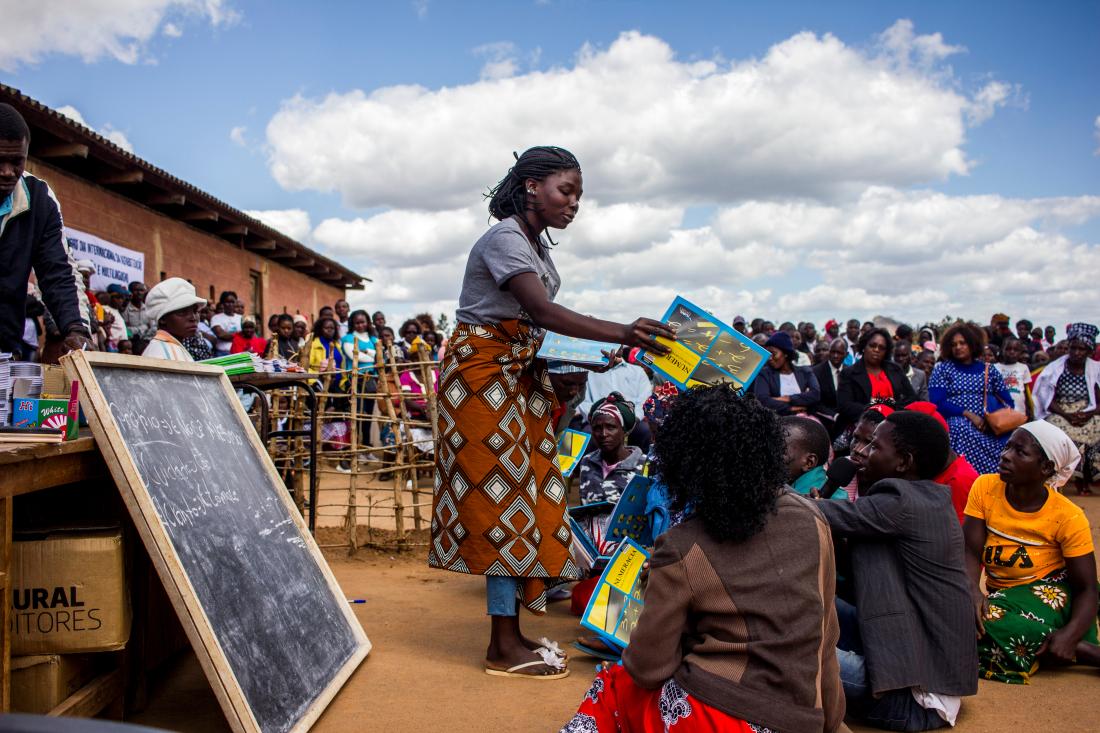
x=1001 y=421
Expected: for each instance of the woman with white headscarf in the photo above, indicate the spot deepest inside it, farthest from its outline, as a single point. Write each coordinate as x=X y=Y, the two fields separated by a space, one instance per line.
x=1036 y=549
x=1067 y=392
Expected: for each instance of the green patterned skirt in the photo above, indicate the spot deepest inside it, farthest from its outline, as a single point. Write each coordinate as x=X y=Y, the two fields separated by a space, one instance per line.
x=1021 y=618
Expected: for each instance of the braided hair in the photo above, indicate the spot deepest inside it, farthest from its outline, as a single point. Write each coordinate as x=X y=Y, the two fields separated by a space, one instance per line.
x=509 y=196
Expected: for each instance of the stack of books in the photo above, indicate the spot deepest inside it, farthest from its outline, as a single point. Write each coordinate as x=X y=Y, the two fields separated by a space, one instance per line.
x=246 y=363
x=27 y=375
x=5 y=389
x=243 y=363
x=31 y=435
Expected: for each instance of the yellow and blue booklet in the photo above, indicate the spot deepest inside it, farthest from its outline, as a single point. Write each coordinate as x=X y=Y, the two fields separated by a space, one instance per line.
x=706 y=351
x=571 y=447
x=616 y=603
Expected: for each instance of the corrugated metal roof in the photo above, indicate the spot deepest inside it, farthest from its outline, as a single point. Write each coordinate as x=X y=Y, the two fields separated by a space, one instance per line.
x=51 y=130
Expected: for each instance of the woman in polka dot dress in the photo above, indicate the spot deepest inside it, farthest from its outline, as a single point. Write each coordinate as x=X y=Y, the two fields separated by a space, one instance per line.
x=957 y=387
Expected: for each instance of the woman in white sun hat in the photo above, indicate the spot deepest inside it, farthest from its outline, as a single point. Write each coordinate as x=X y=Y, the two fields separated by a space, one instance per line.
x=174 y=307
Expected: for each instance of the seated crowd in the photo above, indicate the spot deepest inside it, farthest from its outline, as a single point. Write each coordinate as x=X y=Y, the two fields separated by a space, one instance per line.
x=875 y=527
x=950 y=553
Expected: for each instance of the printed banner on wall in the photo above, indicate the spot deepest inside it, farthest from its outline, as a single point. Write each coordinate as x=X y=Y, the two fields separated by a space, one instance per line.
x=113 y=263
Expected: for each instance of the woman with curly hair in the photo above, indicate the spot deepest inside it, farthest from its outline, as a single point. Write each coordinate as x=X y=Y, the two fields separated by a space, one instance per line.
x=965 y=389
x=499 y=499
x=738 y=628
x=1036 y=550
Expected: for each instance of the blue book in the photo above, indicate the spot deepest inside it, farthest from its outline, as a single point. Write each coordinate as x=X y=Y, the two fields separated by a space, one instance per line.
x=629 y=520
x=616 y=602
x=706 y=350
x=571 y=447
x=556 y=347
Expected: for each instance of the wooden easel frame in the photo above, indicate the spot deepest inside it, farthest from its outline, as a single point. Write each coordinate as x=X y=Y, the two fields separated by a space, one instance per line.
x=78 y=365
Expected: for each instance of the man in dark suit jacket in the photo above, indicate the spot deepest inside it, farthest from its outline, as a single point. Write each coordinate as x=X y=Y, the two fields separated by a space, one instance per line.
x=908 y=649
x=828 y=377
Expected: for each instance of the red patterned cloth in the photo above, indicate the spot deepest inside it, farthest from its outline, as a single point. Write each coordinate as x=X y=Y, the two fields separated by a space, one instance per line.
x=615 y=704
x=499 y=502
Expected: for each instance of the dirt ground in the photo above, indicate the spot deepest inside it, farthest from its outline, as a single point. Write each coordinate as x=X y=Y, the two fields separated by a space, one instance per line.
x=424 y=673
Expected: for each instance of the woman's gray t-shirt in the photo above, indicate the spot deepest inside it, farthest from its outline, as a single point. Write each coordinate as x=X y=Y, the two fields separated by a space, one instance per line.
x=502 y=253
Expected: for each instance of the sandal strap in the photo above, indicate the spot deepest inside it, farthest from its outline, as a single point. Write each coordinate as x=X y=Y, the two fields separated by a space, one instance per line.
x=525 y=665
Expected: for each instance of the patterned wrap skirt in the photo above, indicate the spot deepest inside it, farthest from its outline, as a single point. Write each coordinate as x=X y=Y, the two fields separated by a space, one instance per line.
x=499 y=498
x=615 y=704
x=1086 y=437
x=1020 y=619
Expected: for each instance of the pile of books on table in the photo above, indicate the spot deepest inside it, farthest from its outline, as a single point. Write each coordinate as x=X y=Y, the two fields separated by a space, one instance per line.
x=246 y=363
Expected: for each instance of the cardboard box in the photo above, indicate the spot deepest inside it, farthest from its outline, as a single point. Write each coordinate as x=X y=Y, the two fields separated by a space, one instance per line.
x=54 y=382
x=39 y=683
x=70 y=594
x=38 y=412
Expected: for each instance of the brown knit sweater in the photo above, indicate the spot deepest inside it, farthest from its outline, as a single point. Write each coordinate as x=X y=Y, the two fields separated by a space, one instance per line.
x=749 y=628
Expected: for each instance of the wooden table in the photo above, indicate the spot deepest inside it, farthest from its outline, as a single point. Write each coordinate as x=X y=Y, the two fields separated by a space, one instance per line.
x=26 y=468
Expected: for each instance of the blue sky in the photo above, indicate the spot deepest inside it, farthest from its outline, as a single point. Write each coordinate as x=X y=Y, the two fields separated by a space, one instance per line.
x=188 y=75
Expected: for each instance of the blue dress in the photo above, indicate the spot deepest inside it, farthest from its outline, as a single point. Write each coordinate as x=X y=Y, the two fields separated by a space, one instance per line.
x=956 y=388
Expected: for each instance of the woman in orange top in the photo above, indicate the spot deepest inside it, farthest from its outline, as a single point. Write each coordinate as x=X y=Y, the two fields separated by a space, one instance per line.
x=1037 y=553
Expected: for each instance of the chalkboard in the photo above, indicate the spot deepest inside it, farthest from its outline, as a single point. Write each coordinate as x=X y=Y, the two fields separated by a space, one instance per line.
x=274 y=633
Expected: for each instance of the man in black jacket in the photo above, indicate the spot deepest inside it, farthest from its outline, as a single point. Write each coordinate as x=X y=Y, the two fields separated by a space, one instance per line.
x=828 y=377
x=911 y=635
x=31 y=236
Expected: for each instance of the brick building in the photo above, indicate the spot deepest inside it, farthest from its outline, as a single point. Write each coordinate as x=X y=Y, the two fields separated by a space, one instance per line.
x=182 y=231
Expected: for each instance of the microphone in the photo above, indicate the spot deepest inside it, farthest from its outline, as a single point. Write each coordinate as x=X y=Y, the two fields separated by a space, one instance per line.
x=838 y=475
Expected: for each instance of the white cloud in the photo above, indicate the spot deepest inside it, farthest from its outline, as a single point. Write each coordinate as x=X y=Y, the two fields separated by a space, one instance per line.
x=292 y=222
x=914 y=255
x=812 y=117
x=96 y=29
x=993 y=95
x=108 y=130
x=791 y=186
x=73 y=114
x=237 y=135
x=906 y=48
x=402 y=238
x=500 y=59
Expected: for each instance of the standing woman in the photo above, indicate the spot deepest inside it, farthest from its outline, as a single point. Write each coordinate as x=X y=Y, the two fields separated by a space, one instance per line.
x=1066 y=394
x=959 y=390
x=499 y=504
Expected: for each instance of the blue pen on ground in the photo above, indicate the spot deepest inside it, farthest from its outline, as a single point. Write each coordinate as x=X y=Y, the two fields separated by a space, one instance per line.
x=357 y=600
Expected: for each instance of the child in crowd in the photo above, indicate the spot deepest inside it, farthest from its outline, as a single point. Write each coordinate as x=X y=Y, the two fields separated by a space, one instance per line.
x=301 y=329
x=247 y=340
x=126 y=346
x=739 y=617
x=283 y=344
x=1015 y=373
x=991 y=354
x=412 y=347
